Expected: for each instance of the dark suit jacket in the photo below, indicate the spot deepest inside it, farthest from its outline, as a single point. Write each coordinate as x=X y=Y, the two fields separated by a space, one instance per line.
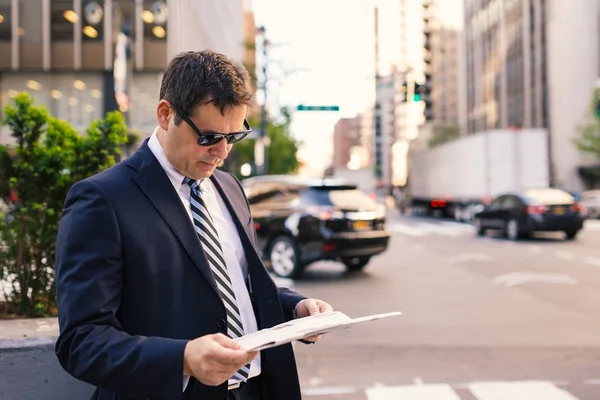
x=134 y=286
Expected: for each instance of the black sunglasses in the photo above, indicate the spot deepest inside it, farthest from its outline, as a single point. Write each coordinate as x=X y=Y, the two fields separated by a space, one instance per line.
x=210 y=138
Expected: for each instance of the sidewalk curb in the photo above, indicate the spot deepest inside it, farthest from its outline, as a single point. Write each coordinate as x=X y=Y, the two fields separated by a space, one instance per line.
x=28 y=333
x=27 y=343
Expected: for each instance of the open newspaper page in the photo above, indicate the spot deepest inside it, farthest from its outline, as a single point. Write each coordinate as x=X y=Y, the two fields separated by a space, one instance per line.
x=302 y=328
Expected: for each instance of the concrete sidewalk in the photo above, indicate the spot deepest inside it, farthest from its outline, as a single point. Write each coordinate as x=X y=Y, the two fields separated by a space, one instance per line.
x=30 y=332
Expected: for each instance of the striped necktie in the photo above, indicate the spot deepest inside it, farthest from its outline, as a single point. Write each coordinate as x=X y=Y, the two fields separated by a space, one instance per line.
x=209 y=239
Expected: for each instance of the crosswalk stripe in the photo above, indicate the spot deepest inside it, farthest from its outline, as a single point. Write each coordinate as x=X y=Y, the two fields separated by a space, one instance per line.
x=416 y=392
x=526 y=390
x=592 y=225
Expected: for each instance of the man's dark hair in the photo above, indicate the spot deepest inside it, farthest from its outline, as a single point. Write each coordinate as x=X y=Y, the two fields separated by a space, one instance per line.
x=195 y=78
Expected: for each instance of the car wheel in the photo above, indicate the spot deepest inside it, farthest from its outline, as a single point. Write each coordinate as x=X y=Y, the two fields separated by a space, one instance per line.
x=570 y=235
x=478 y=227
x=512 y=230
x=354 y=264
x=284 y=258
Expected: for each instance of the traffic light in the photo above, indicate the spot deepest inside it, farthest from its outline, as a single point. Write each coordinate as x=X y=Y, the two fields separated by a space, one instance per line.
x=417 y=94
x=426 y=95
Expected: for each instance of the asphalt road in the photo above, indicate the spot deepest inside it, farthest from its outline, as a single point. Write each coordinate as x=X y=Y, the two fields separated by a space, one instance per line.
x=483 y=318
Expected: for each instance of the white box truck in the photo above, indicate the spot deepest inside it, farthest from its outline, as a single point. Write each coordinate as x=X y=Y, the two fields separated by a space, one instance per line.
x=457 y=178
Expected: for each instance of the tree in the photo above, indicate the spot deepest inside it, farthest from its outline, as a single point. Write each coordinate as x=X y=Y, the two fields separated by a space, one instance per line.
x=444 y=134
x=282 y=149
x=588 y=140
x=48 y=157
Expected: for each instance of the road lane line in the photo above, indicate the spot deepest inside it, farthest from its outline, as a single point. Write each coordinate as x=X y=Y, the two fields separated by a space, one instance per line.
x=535 y=249
x=406 y=230
x=327 y=391
x=521 y=277
x=592 y=261
x=420 y=392
x=469 y=257
x=526 y=390
x=565 y=255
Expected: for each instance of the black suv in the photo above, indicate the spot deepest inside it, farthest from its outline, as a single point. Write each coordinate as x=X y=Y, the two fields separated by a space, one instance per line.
x=301 y=220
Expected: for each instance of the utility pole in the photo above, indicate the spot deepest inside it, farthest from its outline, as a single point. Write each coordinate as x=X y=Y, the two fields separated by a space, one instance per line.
x=260 y=149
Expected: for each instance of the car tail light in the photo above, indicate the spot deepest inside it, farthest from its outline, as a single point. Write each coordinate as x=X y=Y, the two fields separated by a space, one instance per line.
x=578 y=208
x=328 y=247
x=256 y=226
x=537 y=209
x=438 y=203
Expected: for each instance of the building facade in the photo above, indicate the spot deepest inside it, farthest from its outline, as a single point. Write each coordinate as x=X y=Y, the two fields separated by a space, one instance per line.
x=82 y=58
x=533 y=64
x=346 y=135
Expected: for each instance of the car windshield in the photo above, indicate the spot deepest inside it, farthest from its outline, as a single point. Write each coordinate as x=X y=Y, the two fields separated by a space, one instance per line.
x=548 y=197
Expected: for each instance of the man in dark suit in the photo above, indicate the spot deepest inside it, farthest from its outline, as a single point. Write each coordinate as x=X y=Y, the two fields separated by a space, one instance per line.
x=157 y=263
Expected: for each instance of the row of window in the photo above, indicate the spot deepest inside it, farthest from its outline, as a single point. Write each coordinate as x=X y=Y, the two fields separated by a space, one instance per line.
x=64 y=19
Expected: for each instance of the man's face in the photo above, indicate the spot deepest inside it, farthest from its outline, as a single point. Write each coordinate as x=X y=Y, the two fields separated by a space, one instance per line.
x=180 y=143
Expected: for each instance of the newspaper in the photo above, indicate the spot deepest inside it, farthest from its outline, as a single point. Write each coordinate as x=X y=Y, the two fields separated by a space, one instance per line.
x=302 y=328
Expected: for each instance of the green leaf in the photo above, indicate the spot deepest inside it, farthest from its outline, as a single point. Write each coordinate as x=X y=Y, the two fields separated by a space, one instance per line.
x=35 y=176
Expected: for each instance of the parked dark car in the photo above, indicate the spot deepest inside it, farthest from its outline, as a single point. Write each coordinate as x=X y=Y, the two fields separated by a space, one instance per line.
x=518 y=215
x=301 y=220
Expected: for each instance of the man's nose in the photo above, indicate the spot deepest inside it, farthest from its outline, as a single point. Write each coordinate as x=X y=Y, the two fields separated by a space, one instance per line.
x=220 y=149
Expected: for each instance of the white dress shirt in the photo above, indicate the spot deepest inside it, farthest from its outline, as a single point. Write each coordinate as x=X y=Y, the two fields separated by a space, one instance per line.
x=233 y=251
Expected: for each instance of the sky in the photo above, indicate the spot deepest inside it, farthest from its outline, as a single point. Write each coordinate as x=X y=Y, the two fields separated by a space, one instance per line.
x=321 y=54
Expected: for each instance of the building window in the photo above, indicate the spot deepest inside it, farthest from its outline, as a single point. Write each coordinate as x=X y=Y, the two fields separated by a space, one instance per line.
x=92 y=24
x=62 y=20
x=5 y=21
x=30 y=21
x=155 y=17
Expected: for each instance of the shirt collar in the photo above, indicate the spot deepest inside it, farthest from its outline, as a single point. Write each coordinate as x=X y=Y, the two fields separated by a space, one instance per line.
x=175 y=176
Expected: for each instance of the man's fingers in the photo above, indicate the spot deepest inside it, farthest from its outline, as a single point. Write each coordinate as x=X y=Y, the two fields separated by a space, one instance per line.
x=312 y=308
x=313 y=338
x=226 y=341
x=325 y=307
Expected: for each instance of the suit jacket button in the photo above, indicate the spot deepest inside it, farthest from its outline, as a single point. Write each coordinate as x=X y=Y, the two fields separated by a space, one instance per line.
x=222 y=323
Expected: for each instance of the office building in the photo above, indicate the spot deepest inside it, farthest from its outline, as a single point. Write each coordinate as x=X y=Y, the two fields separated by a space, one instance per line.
x=82 y=58
x=534 y=64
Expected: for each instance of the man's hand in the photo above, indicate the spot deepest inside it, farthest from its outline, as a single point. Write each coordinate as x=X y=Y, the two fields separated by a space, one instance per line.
x=213 y=359
x=309 y=307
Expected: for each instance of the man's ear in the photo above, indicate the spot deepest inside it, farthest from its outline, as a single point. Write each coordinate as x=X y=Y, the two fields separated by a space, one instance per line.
x=163 y=114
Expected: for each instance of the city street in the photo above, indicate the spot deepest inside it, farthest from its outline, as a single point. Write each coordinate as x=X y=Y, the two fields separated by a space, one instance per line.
x=483 y=318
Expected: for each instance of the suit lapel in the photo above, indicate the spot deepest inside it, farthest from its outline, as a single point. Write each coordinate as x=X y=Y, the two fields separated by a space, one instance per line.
x=155 y=184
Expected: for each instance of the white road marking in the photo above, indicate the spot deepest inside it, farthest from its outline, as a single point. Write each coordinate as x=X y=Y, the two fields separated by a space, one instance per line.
x=535 y=249
x=526 y=390
x=592 y=382
x=521 y=277
x=421 y=392
x=326 y=391
x=565 y=255
x=421 y=228
x=469 y=257
x=406 y=230
x=592 y=261
x=315 y=381
x=592 y=225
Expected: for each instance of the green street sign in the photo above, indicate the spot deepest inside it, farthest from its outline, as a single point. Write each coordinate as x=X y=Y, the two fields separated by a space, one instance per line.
x=302 y=107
